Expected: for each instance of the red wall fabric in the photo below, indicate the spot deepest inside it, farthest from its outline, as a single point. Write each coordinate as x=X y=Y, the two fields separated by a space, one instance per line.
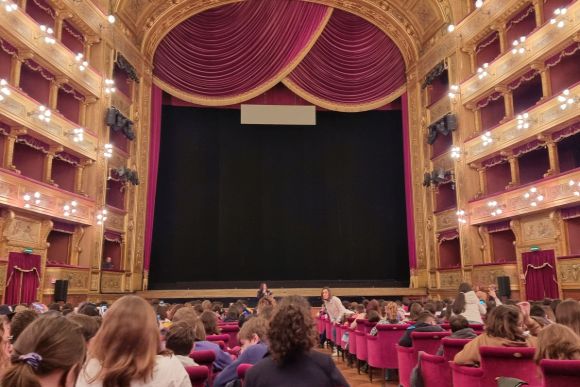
x=551 y=5
x=113 y=250
x=527 y=95
x=122 y=81
x=503 y=246
x=565 y=74
x=540 y=274
x=115 y=197
x=445 y=197
x=40 y=11
x=498 y=177
x=63 y=174
x=68 y=106
x=5 y=64
x=70 y=39
x=441 y=145
x=523 y=27
x=488 y=53
x=573 y=228
x=59 y=249
x=34 y=84
x=569 y=153
x=21 y=286
x=119 y=140
x=28 y=161
x=533 y=165
x=450 y=253
x=492 y=114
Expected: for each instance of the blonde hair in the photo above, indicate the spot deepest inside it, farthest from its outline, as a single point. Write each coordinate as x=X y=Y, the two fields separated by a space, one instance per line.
x=391 y=312
x=254 y=326
x=558 y=342
x=127 y=343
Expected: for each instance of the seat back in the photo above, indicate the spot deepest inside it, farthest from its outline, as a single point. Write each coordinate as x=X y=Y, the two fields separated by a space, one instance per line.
x=428 y=342
x=215 y=338
x=407 y=360
x=435 y=370
x=361 y=344
x=242 y=370
x=463 y=376
x=368 y=326
x=204 y=358
x=232 y=332
x=382 y=352
x=560 y=373
x=320 y=324
x=338 y=329
x=452 y=347
x=198 y=375
x=478 y=328
x=513 y=362
x=351 y=341
x=328 y=329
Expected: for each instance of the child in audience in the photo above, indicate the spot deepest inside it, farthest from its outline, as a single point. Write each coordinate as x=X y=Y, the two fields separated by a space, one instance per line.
x=459 y=330
x=504 y=328
x=568 y=313
x=414 y=311
x=557 y=341
x=210 y=323
x=469 y=305
x=292 y=362
x=538 y=313
x=425 y=322
x=126 y=350
x=373 y=316
x=20 y=321
x=49 y=352
x=179 y=339
x=222 y=359
x=391 y=317
x=89 y=325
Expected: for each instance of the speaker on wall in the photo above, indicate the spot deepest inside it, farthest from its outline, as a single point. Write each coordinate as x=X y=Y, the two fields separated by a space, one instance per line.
x=503 y=286
x=60 y=290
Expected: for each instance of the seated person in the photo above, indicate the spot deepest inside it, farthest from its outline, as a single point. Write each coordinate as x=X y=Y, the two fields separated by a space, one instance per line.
x=459 y=330
x=179 y=339
x=108 y=263
x=252 y=337
x=425 y=323
x=538 y=314
x=504 y=328
x=558 y=342
x=391 y=317
x=222 y=359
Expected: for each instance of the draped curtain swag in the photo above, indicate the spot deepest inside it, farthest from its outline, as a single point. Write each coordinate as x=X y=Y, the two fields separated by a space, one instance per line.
x=111 y=236
x=33 y=143
x=486 y=42
x=447 y=235
x=520 y=17
x=444 y=126
x=496 y=160
x=68 y=158
x=529 y=147
x=540 y=274
x=568 y=51
x=63 y=227
x=23 y=274
x=486 y=101
x=566 y=132
x=230 y=54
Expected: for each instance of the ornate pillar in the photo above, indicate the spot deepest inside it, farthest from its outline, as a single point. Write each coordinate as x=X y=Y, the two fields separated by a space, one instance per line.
x=508 y=100
x=47 y=165
x=482 y=180
x=16 y=66
x=58 y=22
x=79 y=171
x=501 y=31
x=553 y=157
x=545 y=77
x=83 y=109
x=515 y=171
x=9 y=147
x=539 y=12
x=22 y=4
x=89 y=42
x=472 y=58
x=53 y=94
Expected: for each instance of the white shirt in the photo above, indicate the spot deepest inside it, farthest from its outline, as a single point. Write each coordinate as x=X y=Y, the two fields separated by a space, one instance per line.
x=168 y=372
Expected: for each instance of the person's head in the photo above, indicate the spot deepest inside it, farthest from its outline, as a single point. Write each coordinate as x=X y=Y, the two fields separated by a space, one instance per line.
x=49 y=351
x=426 y=317
x=458 y=322
x=266 y=312
x=20 y=321
x=537 y=311
x=568 y=313
x=292 y=331
x=415 y=310
x=233 y=313
x=554 y=305
x=458 y=306
x=206 y=305
x=373 y=316
x=198 y=329
x=263 y=286
x=187 y=314
x=391 y=312
x=430 y=307
x=127 y=342
x=360 y=308
x=210 y=324
x=89 y=309
x=326 y=294
x=506 y=321
x=173 y=309
x=373 y=305
x=109 y=260
x=253 y=331
x=464 y=287
x=558 y=342
x=180 y=338
x=89 y=325
x=54 y=306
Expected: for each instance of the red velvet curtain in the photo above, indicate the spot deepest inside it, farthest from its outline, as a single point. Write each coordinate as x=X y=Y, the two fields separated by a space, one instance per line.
x=23 y=278
x=540 y=274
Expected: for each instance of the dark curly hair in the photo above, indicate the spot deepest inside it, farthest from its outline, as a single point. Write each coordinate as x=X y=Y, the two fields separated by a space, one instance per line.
x=292 y=331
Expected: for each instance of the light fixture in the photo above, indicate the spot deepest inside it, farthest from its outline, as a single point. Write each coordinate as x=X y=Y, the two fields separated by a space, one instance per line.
x=482 y=71
x=47 y=34
x=486 y=138
x=559 y=17
x=101 y=216
x=455 y=153
x=461 y=217
x=31 y=199
x=534 y=196
x=576 y=187
x=69 y=208
x=566 y=100
x=9 y=6
x=111 y=18
x=495 y=208
x=478 y=4
x=519 y=46
x=523 y=121
x=42 y=114
x=77 y=134
x=110 y=86
x=453 y=91
x=4 y=90
x=450 y=28
x=82 y=64
x=108 y=151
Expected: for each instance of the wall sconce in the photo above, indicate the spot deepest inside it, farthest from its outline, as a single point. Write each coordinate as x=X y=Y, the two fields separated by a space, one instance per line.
x=69 y=208
x=4 y=90
x=42 y=114
x=101 y=216
x=47 y=35
x=82 y=64
x=111 y=18
x=534 y=196
x=76 y=134
x=486 y=138
x=456 y=153
x=451 y=28
x=523 y=121
x=453 y=92
x=519 y=46
x=108 y=151
x=31 y=198
x=482 y=71
x=110 y=86
x=576 y=186
x=559 y=18
x=478 y=4
x=495 y=207
x=566 y=100
x=9 y=6
x=461 y=218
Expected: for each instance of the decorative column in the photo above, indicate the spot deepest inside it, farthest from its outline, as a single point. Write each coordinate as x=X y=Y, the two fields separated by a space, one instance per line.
x=482 y=180
x=552 y=156
x=83 y=109
x=515 y=171
x=53 y=94
x=545 y=77
x=501 y=32
x=472 y=58
x=89 y=42
x=47 y=166
x=16 y=65
x=9 y=146
x=508 y=101
x=61 y=16
x=539 y=12
x=79 y=176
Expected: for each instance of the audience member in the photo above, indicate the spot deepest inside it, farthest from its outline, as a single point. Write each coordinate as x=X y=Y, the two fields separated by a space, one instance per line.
x=292 y=362
x=504 y=328
x=425 y=322
x=568 y=313
x=558 y=342
x=210 y=323
x=179 y=339
x=391 y=317
x=468 y=305
x=126 y=350
x=459 y=330
x=414 y=311
x=19 y=323
x=538 y=313
x=89 y=325
x=5 y=345
x=373 y=316
x=222 y=359
x=186 y=313
x=89 y=309
x=49 y=352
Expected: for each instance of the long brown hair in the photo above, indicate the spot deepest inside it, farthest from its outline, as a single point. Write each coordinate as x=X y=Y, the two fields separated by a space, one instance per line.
x=458 y=306
x=127 y=343
x=504 y=321
x=59 y=345
x=558 y=342
x=568 y=313
x=210 y=324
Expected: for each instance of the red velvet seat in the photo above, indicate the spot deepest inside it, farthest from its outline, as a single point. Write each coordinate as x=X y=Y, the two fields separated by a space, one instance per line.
x=205 y=358
x=320 y=324
x=435 y=370
x=352 y=341
x=465 y=376
x=242 y=369
x=511 y=362
x=328 y=329
x=381 y=348
x=560 y=373
x=452 y=347
x=361 y=341
x=232 y=332
x=428 y=342
x=215 y=338
x=407 y=360
x=198 y=375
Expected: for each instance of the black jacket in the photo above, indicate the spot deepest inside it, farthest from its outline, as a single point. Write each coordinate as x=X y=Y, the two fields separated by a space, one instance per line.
x=421 y=327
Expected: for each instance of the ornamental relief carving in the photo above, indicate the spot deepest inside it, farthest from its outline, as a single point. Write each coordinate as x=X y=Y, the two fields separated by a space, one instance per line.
x=3 y=269
x=445 y=220
x=482 y=276
x=23 y=230
x=569 y=271
x=450 y=279
x=538 y=230
x=111 y=282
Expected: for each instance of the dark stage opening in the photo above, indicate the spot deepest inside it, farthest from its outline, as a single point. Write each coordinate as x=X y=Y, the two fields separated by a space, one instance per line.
x=294 y=205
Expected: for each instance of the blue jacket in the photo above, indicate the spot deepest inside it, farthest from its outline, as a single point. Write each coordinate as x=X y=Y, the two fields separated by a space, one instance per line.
x=251 y=355
x=222 y=359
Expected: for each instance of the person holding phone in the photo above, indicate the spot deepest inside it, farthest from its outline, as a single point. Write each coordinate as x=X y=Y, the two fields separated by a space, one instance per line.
x=263 y=291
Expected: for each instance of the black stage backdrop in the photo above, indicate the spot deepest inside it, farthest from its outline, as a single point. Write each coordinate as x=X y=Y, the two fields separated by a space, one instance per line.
x=322 y=203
